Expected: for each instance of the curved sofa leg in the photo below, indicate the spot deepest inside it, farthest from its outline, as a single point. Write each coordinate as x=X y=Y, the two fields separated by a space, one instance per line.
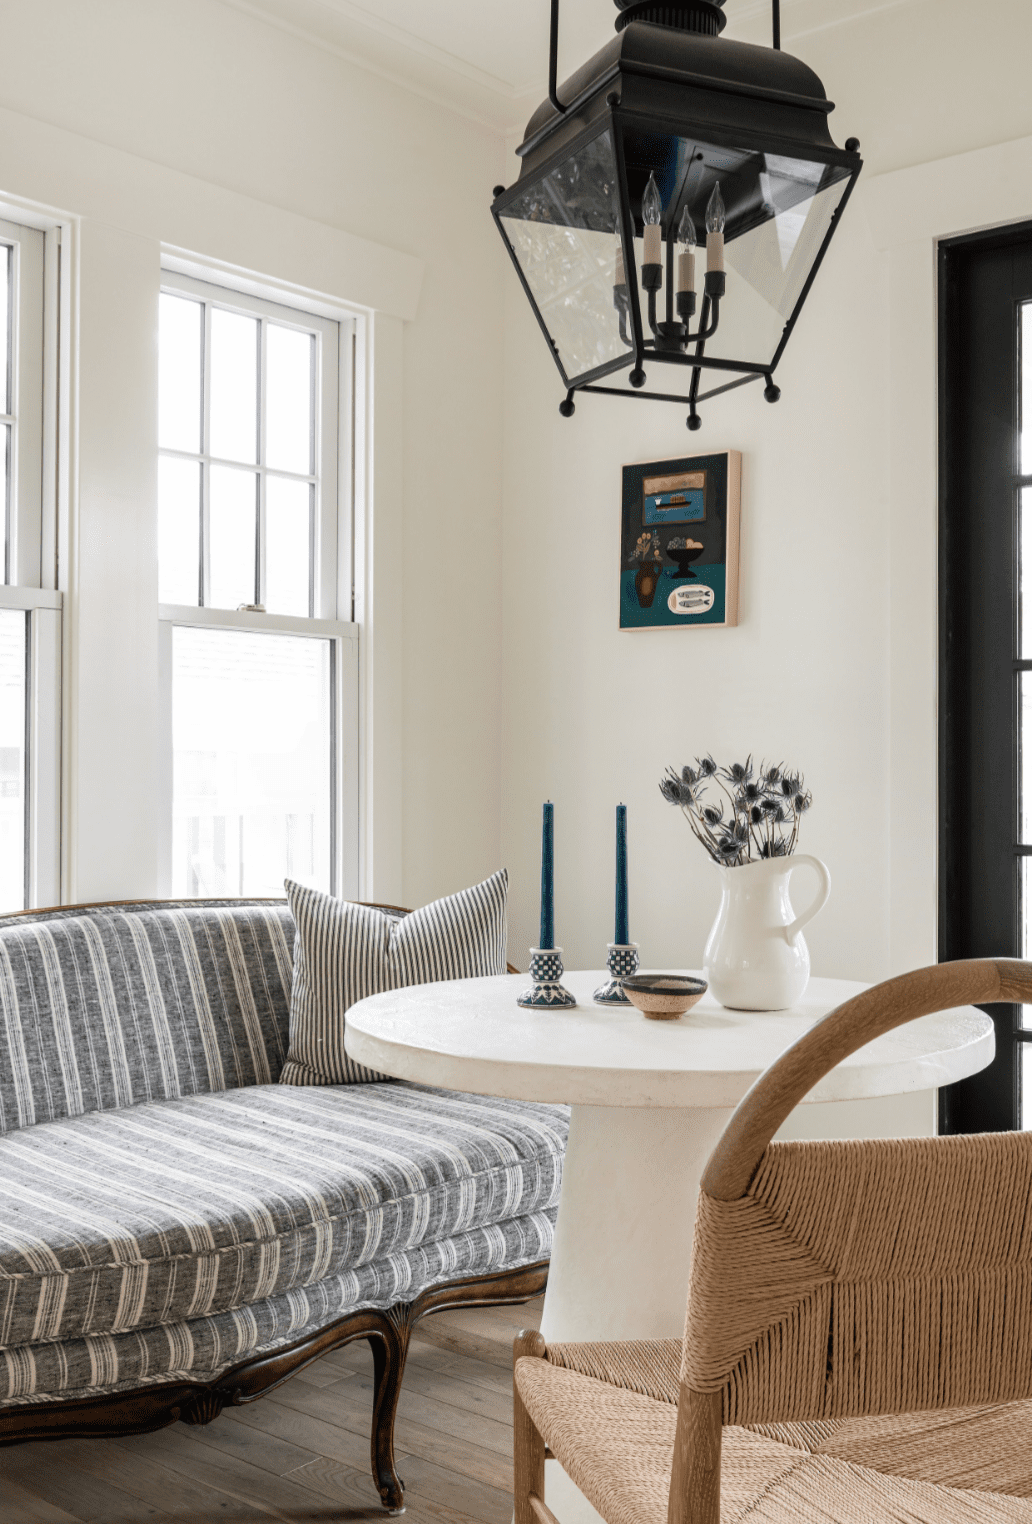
x=390 y=1347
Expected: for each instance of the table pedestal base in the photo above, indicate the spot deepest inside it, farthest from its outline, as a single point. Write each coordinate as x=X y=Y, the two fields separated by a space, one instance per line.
x=623 y=1240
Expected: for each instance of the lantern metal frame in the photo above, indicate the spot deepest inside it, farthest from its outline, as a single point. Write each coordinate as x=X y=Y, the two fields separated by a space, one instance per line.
x=640 y=94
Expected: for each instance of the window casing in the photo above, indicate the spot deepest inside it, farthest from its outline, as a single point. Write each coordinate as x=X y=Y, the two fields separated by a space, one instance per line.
x=259 y=673
x=30 y=606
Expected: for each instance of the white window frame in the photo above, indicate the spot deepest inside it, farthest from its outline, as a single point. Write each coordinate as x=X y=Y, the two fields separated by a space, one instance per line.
x=333 y=571
x=28 y=575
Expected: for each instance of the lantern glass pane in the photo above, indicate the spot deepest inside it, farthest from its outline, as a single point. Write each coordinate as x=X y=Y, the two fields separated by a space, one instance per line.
x=564 y=231
x=778 y=210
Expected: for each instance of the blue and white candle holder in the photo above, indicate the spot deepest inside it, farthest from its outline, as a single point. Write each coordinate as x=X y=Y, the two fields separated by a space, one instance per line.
x=622 y=961
x=546 y=970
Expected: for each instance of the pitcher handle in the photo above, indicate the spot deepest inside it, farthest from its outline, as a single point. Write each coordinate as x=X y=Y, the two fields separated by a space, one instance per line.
x=823 y=891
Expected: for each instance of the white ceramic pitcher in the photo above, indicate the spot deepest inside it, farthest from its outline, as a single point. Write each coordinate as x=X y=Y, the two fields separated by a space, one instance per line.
x=756 y=958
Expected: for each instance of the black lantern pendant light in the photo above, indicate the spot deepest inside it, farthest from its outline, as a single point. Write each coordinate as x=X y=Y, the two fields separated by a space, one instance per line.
x=673 y=140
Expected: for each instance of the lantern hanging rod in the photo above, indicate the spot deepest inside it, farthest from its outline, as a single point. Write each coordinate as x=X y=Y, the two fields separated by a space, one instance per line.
x=553 y=59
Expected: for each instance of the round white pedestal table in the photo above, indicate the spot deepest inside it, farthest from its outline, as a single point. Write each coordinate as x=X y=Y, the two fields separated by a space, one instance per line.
x=648 y=1101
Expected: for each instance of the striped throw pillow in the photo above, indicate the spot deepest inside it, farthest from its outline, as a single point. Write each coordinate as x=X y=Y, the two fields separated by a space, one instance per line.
x=344 y=952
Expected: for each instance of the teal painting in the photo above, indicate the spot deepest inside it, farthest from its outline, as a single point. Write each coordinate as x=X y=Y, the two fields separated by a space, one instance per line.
x=680 y=541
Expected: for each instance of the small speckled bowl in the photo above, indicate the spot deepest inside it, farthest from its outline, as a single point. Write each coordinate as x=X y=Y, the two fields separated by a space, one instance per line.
x=663 y=997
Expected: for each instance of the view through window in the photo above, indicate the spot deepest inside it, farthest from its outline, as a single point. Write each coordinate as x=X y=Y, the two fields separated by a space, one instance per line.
x=252 y=727
x=13 y=727
x=247 y=504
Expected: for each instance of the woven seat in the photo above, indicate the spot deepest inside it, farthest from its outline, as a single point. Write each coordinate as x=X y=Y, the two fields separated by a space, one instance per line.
x=617 y=1446
x=986 y=1448
x=858 y=1340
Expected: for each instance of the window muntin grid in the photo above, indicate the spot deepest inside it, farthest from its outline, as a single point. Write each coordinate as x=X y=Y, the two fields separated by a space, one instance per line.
x=239 y=481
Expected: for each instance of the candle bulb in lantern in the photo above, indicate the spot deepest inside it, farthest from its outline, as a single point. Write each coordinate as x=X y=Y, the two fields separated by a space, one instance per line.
x=547 y=937
x=621 y=935
x=686 y=256
x=715 y=218
x=651 y=216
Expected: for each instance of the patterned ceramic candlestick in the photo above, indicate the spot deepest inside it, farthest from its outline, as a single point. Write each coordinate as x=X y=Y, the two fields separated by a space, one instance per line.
x=622 y=959
x=546 y=970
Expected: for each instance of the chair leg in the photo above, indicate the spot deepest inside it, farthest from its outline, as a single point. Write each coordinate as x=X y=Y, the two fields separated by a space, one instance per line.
x=390 y=1348
x=528 y=1445
x=695 y=1475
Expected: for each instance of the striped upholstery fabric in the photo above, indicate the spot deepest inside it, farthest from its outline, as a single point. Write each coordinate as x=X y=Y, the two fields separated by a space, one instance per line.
x=167 y=1210
x=202 y=1348
x=344 y=952
x=110 y=1006
x=172 y=1210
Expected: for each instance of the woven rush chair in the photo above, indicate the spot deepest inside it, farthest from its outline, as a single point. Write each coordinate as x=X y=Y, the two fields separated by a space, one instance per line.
x=858 y=1338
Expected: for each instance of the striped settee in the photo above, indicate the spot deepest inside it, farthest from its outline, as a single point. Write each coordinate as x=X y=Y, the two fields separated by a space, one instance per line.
x=177 y=1230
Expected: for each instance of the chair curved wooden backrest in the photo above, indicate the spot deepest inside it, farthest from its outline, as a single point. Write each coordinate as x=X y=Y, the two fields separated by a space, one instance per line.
x=854 y=1278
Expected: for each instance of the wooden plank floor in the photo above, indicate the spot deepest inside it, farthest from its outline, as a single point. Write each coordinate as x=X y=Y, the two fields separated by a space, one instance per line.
x=302 y=1453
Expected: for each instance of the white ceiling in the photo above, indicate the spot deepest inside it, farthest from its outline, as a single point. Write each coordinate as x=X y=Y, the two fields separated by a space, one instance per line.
x=489 y=58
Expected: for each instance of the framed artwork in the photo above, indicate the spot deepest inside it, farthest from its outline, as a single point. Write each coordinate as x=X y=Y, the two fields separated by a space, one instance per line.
x=679 y=542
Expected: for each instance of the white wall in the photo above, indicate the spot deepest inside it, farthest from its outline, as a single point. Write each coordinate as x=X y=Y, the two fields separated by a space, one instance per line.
x=833 y=665
x=594 y=713
x=113 y=852
x=832 y=668
x=251 y=112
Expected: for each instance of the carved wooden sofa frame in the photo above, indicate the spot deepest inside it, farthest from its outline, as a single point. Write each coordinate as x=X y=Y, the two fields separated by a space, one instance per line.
x=156 y=1407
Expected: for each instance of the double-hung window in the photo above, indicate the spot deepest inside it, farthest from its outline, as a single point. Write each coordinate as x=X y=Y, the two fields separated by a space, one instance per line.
x=259 y=653
x=30 y=617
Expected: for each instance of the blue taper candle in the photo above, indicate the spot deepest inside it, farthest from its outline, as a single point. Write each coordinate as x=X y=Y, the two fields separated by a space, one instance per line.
x=547 y=937
x=620 y=935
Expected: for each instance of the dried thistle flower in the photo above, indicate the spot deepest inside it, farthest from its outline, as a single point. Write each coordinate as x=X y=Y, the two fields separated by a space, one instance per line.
x=738 y=772
x=765 y=807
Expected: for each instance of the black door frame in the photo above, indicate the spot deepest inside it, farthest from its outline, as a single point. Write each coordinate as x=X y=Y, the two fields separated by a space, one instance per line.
x=982 y=281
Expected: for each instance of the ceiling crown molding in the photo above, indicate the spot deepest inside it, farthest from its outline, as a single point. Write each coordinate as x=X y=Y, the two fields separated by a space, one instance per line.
x=392 y=53
x=409 y=59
